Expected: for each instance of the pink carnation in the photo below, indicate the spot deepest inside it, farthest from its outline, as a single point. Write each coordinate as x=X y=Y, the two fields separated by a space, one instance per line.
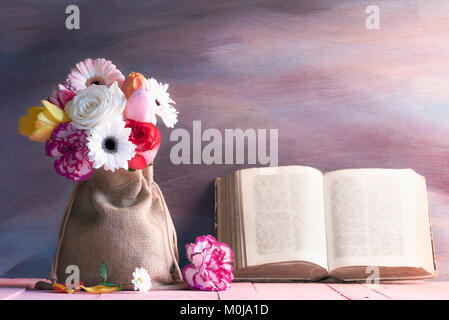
x=60 y=95
x=210 y=269
x=68 y=144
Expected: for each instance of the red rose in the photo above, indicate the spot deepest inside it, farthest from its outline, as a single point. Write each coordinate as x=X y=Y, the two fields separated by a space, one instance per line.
x=147 y=139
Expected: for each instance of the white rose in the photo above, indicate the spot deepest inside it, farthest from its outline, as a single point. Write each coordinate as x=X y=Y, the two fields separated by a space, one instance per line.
x=95 y=105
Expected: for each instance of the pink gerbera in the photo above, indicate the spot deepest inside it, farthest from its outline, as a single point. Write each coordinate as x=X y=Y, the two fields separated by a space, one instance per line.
x=93 y=71
x=68 y=144
x=210 y=269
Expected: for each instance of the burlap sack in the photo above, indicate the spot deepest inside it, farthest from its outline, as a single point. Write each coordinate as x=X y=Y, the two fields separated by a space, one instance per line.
x=120 y=218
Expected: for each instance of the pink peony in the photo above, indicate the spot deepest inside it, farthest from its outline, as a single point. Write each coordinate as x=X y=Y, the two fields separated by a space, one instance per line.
x=60 y=95
x=210 y=269
x=68 y=144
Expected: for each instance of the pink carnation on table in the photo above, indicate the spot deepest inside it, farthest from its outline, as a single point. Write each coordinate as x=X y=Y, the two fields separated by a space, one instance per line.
x=68 y=145
x=210 y=269
x=60 y=95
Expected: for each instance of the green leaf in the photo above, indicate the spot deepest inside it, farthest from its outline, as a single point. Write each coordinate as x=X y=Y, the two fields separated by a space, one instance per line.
x=109 y=284
x=131 y=170
x=103 y=271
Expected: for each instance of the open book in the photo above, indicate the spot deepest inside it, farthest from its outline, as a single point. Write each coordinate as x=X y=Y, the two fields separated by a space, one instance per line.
x=294 y=223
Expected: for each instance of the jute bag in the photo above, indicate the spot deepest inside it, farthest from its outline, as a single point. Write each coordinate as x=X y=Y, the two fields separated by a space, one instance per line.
x=119 y=218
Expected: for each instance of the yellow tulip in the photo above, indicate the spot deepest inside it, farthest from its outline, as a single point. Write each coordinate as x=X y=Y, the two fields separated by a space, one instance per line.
x=40 y=122
x=98 y=289
x=26 y=123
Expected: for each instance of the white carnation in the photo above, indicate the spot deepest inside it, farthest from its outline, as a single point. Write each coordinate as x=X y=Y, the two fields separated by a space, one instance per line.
x=142 y=280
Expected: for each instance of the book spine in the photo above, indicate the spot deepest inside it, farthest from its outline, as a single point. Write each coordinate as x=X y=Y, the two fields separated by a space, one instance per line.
x=217 y=186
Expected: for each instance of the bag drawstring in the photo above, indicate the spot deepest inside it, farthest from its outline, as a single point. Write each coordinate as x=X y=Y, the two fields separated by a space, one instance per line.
x=174 y=247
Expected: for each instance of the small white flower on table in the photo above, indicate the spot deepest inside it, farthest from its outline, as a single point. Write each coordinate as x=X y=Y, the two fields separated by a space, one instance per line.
x=142 y=280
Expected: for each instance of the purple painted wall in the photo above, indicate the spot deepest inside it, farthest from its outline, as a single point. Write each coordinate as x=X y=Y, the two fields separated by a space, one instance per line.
x=341 y=96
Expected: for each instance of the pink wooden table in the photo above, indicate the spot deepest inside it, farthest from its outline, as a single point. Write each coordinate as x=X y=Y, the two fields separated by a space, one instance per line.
x=22 y=289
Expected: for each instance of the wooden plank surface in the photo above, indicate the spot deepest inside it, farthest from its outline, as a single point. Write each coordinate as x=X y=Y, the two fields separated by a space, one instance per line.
x=296 y=291
x=22 y=289
x=357 y=291
x=161 y=295
x=238 y=291
x=10 y=293
x=413 y=290
x=52 y=295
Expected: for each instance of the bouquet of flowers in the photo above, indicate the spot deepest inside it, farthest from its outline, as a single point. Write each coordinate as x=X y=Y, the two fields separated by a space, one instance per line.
x=99 y=118
x=100 y=128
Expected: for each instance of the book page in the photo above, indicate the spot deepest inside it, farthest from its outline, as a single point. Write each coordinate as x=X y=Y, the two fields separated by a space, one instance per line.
x=283 y=215
x=377 y=217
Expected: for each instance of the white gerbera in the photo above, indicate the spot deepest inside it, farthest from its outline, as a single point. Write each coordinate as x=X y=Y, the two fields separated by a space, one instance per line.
x=162 y=102
x=142 y=280
x=109 y=146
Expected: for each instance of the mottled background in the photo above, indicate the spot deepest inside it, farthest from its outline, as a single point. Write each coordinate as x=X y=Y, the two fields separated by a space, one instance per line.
x=341 y=96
